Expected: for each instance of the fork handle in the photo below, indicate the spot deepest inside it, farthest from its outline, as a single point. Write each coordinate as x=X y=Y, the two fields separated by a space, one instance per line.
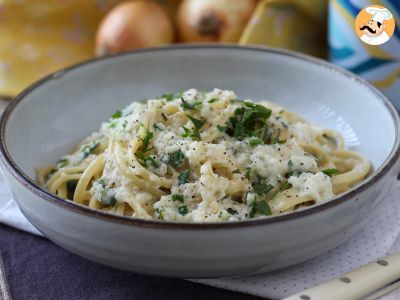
x=356 y=284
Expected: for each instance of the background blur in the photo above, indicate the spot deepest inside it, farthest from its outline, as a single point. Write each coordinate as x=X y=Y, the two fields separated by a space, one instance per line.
x=38 y=37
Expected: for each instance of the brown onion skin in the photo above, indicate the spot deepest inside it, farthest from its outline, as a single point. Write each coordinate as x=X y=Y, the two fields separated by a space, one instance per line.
x=133 y=25
x=213 y=20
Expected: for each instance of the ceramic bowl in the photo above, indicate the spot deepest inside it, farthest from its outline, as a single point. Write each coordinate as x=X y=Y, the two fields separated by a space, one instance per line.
x=50 y=117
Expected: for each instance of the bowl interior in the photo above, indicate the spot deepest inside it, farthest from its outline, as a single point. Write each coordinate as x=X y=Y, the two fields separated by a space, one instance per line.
x=53 y=116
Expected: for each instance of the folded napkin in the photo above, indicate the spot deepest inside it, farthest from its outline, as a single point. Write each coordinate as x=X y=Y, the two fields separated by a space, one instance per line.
x=377 y=239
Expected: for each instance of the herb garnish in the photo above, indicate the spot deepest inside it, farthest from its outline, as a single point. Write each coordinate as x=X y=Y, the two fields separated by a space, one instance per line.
x=254 y=141
x=184 y=177
x=189 y=106
x=262 y=187
x=196 y=122
x=160 y=212
x=292 y=171
x=176 y=159
x=261 y=207
x=171 y=97
x=237 y=171
x=62 y=163
x=213 y=100
x=221 y=128
x=108 y=197
x=183 y=210
x=285 y=185
x=116 y=115
x=248 y=120
x=141 y=154
x=195 y=133
x=248 y=173
x=156 y=127
x=176 y=197
x=330 y=172
x=89 y=149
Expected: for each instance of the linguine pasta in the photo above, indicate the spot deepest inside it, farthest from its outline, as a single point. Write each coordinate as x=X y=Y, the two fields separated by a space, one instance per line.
x=198 y=157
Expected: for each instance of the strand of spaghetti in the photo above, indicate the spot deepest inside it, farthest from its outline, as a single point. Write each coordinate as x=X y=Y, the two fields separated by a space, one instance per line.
x=66 y=170
x=334 y=139
x=121 y=209
x=316 y=151
x=138 y=210
x=94 y=203
x=287 y=200
x=61 y=179
x=361 y=168
x=95 y=168
x=150 y=115
x=140 y=183
x=62 y=191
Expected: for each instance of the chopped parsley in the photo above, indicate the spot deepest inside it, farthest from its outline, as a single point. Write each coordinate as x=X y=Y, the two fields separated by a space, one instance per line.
x=189 y=106
x=237 y=171
x=248 y=173
x=254 y=141
x=213 y=100
x=108 y=197
x=195 y=133
x=292 y=171
x=248 y=120
x=196 y=122
x=62 y=163
x=183 y=210
x=184 y=177
x=89 y=149
x=176 y=197
x=144 y=159
x=150 y=161
x=112 y=124
x=285 y=185
x=116 y=115
x=171 y=97
x=262 y=187
x=102 y=182
x=157 y=127
x=330 y=172
x=221 y=128
x=160 y=213
x=261 y=207
x=176 y=159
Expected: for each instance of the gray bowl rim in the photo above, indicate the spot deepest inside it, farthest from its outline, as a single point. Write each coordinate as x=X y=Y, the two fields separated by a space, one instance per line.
x=31 y=185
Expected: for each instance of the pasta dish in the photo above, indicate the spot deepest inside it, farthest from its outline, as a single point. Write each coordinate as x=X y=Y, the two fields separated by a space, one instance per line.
x=205 y=157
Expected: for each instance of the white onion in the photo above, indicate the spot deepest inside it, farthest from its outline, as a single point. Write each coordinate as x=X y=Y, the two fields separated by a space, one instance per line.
x=213 y=20
x=133 y=25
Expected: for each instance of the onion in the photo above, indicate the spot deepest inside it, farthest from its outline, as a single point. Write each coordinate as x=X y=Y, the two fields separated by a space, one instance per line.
x=213 y=20
x=132 y=25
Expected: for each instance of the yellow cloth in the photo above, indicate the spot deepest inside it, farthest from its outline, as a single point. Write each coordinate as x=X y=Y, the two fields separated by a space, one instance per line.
x=40 y=36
